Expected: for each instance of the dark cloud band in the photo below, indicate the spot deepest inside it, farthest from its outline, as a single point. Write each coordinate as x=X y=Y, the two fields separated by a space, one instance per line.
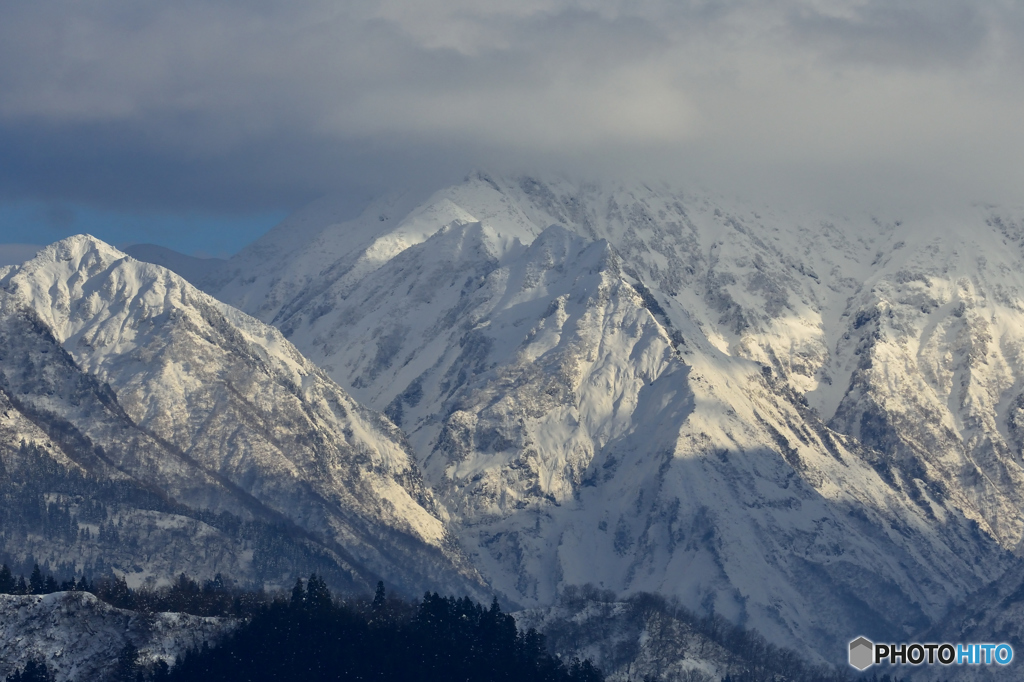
x=229 y=104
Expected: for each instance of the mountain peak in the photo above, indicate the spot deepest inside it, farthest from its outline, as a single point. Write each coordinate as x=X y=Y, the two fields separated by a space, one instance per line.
x=78 y=248
x=71 y=281
x=215 y=409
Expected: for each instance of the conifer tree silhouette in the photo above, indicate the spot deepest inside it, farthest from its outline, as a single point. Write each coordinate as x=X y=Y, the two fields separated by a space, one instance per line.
x=7 y=582
x=36 y=583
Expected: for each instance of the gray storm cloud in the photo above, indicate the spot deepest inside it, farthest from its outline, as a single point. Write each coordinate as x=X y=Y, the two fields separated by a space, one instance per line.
x=232 y=103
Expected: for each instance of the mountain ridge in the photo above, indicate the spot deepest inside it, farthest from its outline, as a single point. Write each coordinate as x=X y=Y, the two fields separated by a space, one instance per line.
x=225 y=414
x=711 y=330
x=806 y=424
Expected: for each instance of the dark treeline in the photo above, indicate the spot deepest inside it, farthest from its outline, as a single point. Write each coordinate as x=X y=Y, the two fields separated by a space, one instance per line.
x=217 y=597
x=38 y=583
x=312 y=638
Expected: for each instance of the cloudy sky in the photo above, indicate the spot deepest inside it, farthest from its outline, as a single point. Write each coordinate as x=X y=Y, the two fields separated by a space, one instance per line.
x=199 y=124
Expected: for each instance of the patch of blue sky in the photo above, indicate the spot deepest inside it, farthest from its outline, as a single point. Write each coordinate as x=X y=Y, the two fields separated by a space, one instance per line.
x=193 y=233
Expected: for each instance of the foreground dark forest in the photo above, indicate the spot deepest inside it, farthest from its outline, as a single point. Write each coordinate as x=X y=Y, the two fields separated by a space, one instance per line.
x=312 y=636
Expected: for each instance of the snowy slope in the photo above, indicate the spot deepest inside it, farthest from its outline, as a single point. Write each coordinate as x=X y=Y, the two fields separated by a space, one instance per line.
x=79 y=637
x=903 y=334
x=191 y=268
x=629 y=386
x=993 y=614
x=216 y=410
x=935 y=355
x=648 y=637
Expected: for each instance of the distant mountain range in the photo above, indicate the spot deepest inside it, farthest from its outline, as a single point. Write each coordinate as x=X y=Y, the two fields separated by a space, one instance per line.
x=812 y=426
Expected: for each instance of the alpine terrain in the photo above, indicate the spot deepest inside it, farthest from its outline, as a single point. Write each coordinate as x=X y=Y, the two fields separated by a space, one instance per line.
x=805 y=425
x=150 y=430
x=808 y=425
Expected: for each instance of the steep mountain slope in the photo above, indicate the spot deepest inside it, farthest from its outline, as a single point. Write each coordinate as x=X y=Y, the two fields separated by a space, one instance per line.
x=905 y=335
x=992 y=614
x=137 y=375
x=628 y=387
x=935 y=356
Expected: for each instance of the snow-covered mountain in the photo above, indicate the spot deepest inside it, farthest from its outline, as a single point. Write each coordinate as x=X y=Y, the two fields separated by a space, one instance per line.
x=808 y=425
x=118 y=370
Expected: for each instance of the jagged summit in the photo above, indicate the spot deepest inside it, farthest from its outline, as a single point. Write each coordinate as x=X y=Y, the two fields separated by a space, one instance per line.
x=94 y=296
x=637 y=397
x=76 y=247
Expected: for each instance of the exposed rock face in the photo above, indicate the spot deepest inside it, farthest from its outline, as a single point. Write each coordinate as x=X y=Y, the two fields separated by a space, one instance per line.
x=809 y=426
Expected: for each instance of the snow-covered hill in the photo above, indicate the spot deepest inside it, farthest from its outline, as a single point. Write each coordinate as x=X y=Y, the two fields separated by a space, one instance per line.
x=122 y=370
x=789 y=420
x=78 y=637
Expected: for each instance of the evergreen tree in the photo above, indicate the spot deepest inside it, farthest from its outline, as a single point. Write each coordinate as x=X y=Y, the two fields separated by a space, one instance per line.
x=185 y=595
x=161 y=671
x=7 y=583
x=214 y=586
x=584 y=671
x=117 y=593
x=36 y=583
x=298 y=594
x=310 y=639
x=318 y=597
x=379 y=598
x=127 y=668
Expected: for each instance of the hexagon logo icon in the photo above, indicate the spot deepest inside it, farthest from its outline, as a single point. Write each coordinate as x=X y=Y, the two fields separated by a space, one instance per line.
x=862 y=653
